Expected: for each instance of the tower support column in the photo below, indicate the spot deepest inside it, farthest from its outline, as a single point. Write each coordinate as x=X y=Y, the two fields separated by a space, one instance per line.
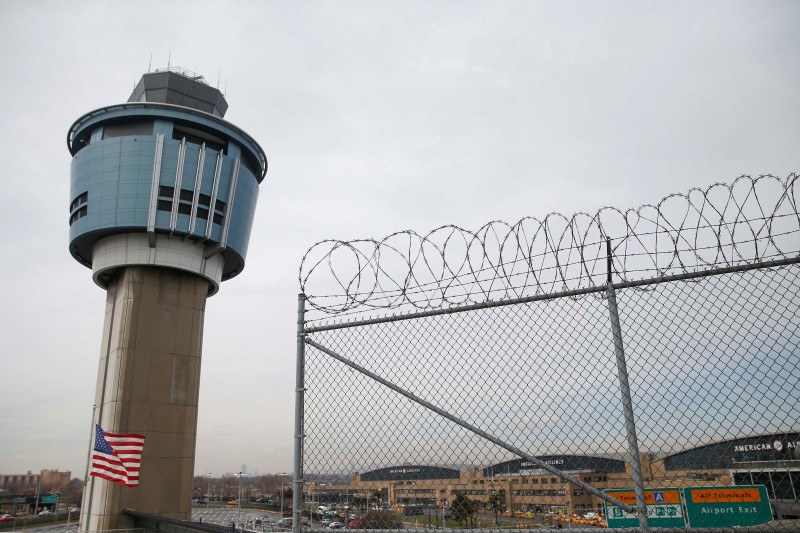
x=148 y=383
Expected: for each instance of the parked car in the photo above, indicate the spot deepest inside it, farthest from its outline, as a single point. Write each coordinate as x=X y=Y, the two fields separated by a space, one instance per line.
x=335 y=525
x=233 y=502
x=6 y=518
x=45 y=512
x=285 y=522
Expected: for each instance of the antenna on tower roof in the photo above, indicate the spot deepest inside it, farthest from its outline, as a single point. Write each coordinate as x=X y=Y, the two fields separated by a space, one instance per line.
x=169 y=58
x=219 y=75
x=150 y=63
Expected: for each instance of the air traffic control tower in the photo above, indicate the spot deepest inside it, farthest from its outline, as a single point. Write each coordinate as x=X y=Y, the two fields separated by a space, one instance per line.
x=162 y=197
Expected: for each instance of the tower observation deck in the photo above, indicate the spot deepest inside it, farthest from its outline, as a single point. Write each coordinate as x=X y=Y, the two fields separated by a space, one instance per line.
x=163 y=192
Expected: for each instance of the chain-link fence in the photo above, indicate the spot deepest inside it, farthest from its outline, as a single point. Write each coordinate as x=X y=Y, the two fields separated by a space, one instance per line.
x=570 y=377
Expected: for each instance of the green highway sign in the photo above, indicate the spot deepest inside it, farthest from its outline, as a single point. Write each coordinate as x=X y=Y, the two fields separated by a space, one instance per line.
x=727 y=506
x=50 y=498
x=663 y=508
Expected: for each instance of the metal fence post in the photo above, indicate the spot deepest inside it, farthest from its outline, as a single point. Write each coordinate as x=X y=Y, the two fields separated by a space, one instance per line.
x=297 y=482
x=625 y=391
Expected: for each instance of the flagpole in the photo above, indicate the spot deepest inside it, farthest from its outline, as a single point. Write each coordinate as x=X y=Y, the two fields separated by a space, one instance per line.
x=88 y=510
x=99 y=412
x=86 y=491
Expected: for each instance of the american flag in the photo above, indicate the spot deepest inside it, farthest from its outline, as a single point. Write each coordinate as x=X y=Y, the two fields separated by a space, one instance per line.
x=116 y=457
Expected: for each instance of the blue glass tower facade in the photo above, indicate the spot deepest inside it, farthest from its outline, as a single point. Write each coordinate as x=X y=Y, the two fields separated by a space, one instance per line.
x=183 y=181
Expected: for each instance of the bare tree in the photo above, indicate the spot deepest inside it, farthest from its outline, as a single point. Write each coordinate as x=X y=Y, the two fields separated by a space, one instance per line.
x=496 y=505
x=72 y=494
x=228 y=481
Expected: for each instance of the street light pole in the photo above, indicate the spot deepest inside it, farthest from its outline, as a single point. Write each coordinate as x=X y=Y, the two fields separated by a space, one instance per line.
x=239 y=508
x=208 y=496
x=281 y=474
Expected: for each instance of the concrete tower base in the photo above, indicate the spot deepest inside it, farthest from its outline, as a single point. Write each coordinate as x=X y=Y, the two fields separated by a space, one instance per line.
x=148 y=383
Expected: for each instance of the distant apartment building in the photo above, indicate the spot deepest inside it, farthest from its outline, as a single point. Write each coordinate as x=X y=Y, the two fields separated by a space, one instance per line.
x=45 y=481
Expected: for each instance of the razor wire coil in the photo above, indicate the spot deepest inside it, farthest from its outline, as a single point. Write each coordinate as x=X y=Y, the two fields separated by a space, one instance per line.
x=724 y=225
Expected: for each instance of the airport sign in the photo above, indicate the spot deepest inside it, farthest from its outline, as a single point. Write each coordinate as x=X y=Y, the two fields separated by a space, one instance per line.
x=663 y=508
x=727 y=506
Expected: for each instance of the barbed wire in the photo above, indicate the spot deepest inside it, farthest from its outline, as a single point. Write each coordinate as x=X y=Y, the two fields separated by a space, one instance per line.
x=725 y=225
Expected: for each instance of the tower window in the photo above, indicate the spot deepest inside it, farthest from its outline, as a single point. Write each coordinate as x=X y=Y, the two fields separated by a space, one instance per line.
x=250 y=163
x=78 y=201
x=80 y=213
x=125 y=129
x=196 y=136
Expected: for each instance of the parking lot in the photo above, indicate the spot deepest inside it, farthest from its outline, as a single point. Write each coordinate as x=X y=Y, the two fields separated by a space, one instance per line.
x=226 y=517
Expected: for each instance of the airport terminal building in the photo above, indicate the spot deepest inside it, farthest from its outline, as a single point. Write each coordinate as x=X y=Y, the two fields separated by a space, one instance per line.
x=770 y=460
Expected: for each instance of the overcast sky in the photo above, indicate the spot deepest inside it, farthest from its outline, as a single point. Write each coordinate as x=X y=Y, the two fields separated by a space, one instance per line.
x=375 y=117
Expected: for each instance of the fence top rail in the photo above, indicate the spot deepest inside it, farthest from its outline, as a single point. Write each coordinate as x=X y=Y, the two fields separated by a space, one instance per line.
x=343 y=323
x=750 y=220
